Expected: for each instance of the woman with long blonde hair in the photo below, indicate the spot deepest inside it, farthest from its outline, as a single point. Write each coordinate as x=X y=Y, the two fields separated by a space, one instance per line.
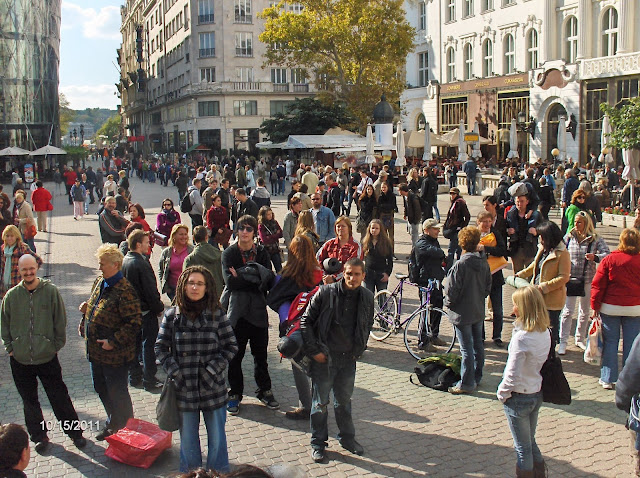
x=172 y=259
x=378 y=256
x=521 y=388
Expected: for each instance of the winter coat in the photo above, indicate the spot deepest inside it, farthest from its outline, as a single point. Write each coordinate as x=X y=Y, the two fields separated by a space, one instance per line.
x=261 y=196
x=165 y=222
x=412 y=209
x=616 y=281
x=555 y=272
x=111 y=228
x=41 y=199
x=137 y=270
x=425 y=261
x=217 y=218
x=468 y=285
x=458 y=215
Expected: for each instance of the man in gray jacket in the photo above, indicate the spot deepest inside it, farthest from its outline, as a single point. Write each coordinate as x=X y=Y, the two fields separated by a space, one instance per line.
x=197 y=203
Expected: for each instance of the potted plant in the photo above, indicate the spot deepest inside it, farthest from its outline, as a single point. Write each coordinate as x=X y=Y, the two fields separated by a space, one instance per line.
x=616 y=216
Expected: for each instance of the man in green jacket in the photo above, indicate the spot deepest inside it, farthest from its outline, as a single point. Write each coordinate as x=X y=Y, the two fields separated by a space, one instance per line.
x=206 y=255
x=33 y=323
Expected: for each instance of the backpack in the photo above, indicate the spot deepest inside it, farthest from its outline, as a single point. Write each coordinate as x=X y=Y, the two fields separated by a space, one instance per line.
x=291 y=345
x=439 y=371
x=185 y=204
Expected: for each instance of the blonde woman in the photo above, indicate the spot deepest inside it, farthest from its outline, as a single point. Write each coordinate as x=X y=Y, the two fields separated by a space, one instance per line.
x=414 y=180
x=172 y=259
x=306 y=227
x=520 y=389
x=10 y=252
x=23 y=218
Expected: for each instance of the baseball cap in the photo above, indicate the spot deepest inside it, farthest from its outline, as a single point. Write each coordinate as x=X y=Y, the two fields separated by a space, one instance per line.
x=454 y=190
x=429 y=223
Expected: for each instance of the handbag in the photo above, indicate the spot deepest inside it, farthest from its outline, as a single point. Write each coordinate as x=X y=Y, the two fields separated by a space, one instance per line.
x=555 y=388
x=593 y=352
x=160 y=239
x=223 y=237
x=167 y=407
x=575 y=286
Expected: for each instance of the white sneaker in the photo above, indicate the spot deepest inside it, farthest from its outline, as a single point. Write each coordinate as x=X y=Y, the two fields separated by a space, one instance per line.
x=562 y=348
x=606 y=385
x=581 y=344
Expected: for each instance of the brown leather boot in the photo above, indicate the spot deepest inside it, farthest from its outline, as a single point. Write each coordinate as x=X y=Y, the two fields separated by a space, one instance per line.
x=524 y=473
x=540 y=469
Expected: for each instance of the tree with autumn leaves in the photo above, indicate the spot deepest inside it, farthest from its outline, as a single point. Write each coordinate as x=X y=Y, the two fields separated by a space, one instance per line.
x=356 y=48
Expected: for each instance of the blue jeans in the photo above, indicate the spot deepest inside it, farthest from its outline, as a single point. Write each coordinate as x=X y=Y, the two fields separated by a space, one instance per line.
x=454 y=249
x=276 y=260
x=146 y=341
x=496 y=304
x=190 y=451
x=611 y=337
x=31 y=243
x=472 y=350
x=281 y=186
x=522 y=414
x=339 y=376
x=471 y=185
x=111 y=385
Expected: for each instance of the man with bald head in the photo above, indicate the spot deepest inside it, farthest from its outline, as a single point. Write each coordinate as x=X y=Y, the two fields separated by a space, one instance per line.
x=32 y=336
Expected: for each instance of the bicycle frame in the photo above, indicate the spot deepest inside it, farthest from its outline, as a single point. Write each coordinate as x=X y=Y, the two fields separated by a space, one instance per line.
x=424 y=305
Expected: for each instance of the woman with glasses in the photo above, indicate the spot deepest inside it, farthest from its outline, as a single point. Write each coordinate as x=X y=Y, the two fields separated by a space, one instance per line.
x=136 y=212
x=578 y=200
x=195 y=345
x=172 y=259
x=167 y=218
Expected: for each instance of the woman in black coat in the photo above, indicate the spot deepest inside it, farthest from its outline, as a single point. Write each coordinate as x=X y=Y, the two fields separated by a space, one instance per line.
x=367 y=205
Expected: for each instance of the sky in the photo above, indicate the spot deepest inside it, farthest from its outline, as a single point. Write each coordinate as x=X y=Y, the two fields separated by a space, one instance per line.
x=89 y=38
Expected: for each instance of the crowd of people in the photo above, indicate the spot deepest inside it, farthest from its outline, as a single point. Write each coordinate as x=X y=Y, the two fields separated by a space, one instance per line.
x=228 y=267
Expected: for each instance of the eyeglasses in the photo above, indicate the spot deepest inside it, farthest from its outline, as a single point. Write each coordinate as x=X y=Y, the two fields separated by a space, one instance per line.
x=246 y=228
x=581 y=197
x=195 y=284
x=167 y=204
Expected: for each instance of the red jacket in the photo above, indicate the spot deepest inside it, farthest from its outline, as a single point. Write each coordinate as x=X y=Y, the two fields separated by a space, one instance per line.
x=41 y=200
x=616 y=281
x=70 y=177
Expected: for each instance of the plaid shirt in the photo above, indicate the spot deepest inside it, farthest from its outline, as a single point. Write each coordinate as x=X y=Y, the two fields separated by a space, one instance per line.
x=577 y=250
x=332 y=248
x=204 y=347
x=18 y=251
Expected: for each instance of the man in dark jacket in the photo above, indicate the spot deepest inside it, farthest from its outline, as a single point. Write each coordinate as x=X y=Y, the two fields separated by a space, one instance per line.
x=112 y=223
x=137 y=270
x=249 y=320
x=334 y=195
x=426 y=263
x=457 y=218
x=335 y=342
x=429 y=196
x=571 y=184
x=627 y=386
x=470 y=169
x=412 y=211
x=245 y=205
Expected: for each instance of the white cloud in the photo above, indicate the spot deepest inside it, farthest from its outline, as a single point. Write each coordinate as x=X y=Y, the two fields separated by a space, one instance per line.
x=102 y=24
x=94 y=96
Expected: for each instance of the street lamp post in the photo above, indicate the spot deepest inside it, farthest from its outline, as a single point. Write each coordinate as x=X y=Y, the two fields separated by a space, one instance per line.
x=75 y=136
x=84 y=156
x=71 y=138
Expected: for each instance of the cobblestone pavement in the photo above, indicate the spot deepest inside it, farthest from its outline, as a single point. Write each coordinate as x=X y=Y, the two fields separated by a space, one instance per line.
x=406 y=430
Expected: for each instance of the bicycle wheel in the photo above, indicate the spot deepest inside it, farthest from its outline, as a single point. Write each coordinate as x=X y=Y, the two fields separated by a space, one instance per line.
x=413 y=331
x=385 y=310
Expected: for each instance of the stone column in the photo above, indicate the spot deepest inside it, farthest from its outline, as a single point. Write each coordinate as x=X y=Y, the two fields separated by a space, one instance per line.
x=548 y=52
x=625 y=26
x=585 y=29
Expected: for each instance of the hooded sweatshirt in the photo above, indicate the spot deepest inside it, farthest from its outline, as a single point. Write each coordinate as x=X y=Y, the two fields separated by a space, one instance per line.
x=210 y=257
x=468 y=285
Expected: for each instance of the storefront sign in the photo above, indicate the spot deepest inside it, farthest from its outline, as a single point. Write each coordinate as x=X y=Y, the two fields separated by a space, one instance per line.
x=488 y=83
x=135 y=139
x=471 y=137
x=28 y=173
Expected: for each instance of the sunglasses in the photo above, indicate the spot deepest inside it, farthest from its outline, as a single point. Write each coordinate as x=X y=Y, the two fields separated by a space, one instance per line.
x=246 y=228
x=167 y=204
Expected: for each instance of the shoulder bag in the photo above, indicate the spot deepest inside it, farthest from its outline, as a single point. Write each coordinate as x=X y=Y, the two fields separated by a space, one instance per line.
x=555 y=388
x=167 y=408
x=575 y=286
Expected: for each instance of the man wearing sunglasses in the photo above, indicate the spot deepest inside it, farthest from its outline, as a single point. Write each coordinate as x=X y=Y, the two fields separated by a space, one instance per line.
x=246 y=269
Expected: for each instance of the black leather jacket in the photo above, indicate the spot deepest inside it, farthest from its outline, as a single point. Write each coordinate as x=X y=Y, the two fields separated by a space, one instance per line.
x=425 y=261
x=138 y=271
x=317 y=319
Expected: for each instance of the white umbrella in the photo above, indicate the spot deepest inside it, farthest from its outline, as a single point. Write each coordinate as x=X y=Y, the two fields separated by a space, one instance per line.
x=13 y=151
x=475 y=152
x=631 y=171
x=426 y=156
x=562 y=138
x=513 y=140
x=400 y=159
x=462 y=145
x=48 y=149
x=370 y=158
x=607 y=158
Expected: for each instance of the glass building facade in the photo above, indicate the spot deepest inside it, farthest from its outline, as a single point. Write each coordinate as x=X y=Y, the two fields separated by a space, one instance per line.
x=29 y=60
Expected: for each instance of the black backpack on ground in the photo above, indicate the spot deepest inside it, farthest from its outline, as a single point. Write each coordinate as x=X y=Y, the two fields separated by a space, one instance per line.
x=438 y=371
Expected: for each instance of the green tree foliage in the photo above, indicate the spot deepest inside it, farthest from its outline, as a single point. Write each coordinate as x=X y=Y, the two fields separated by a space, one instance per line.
x=356 y=48
x=625 y=124
x=111 y=128
x=304 y=116
x=67 y=115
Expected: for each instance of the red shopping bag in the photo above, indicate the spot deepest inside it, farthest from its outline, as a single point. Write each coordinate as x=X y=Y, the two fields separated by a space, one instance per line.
x=139 y=443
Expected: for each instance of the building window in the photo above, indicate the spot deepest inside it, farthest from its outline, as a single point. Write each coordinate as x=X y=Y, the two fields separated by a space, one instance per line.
x=468 y=8
x=532 y=49
x=626 y=89
x=205 y=11
x=245 y=108
x=279 y=106
x=451 y=65
x=610 y=32
x=423 y=68
x=509 y=45
x=452 y=111
x=208 y=108
x=245 y=74
x=596 y=95
x=421 y=122
x=207 y=45
x=468 y=61
x=298 y=76
x=244 y=44
x=208 y=75
x=487 y=5
x=571 y=42
x=487 y=58
x=450 y=10
x=506 y=3
x=243 y=11
x=508 y=107
x=422 y=15
x=278 y=75
x=295 y=7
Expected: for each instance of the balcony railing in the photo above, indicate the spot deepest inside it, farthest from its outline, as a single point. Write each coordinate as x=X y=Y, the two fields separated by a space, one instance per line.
x=244 y=52
x=207 y=52
x=206 y=18
x=281 y=87
x=301 y=88
x=246 y=85
x=244 y=18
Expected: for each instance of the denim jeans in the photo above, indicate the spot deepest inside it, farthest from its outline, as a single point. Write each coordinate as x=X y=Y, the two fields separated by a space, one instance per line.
x=496 y=304
x=146 y=341
x=437 y=300
x=276 y=260
x=340 y=376
x=453 y=251
x=281 y=186
x=522 y=414
x=190 y=451
x=86 y=204
x=373 y=281
x=31 y=243
x=111 y=385
x=472 y=350
x=302 y=386
x=611 y=337
x=351 y=197
x=471 y=185
x=414 y=231
x=584 y=304
x=258 y=339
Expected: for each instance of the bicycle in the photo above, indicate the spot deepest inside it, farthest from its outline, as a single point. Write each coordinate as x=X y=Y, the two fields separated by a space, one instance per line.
x=387 y=318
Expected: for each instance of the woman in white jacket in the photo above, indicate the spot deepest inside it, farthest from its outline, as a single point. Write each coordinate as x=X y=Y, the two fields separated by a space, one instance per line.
x=520 y=389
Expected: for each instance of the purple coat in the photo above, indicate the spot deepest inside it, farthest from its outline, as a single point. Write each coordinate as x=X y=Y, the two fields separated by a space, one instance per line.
x=165 y=222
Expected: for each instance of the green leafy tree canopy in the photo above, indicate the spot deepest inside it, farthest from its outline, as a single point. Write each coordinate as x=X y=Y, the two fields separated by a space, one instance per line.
x=356 y=48
x=625 y=124
x=111 y=128
x=304 y=116
x=67 y=115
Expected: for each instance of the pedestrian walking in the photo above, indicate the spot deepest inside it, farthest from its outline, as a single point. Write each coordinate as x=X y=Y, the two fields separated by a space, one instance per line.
x=41 y=200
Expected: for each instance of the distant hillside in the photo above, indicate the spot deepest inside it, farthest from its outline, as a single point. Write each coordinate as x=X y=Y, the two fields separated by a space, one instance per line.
x=93 y=116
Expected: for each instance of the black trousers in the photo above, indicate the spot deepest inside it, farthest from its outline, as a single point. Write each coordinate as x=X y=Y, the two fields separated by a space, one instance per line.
x=50 y=375
x=258 y=340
